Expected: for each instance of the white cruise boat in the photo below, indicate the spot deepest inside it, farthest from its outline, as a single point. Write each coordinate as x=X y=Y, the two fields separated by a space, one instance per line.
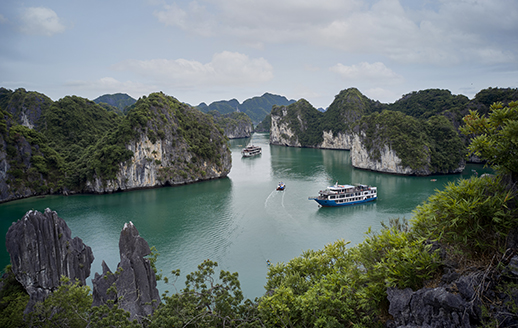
x=250 y=151
x=343 y=195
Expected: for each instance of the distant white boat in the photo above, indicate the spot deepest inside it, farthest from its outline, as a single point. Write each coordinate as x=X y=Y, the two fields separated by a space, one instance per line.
x=250 y=151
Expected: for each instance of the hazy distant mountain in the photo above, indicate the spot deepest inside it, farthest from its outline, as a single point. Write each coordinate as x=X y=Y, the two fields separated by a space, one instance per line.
x=256 y=108
x=117 y=100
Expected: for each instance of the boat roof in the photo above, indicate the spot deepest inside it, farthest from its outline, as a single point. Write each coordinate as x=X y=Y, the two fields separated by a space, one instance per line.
x=337 y=186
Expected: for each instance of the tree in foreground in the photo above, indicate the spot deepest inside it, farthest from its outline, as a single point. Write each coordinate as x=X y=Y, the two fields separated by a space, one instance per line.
x=496 y=137
x=205 y=302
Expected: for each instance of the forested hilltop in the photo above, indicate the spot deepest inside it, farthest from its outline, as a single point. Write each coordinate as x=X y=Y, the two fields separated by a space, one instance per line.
x=235 y=125
x=454 y=265
x=417 y=135
x=118 y=102
x=75 y=145
x=257 y=108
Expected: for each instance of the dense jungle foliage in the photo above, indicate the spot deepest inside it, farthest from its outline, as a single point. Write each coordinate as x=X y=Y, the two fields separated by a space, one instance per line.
x=120 y=101
x=257 y=108
x=422 y=127
x=76 y=139
x=430 y=102
x=231 y=121
x=264 y=126
x=417 y=142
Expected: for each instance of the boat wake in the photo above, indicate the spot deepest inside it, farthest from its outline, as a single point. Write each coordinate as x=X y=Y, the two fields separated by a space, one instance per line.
x=273 y=208
x=268 y=198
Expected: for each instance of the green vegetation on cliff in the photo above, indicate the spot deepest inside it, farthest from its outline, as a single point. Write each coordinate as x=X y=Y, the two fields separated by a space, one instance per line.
x=496 y=136
x=25 y=106
x=235 y=123
x=346 y=109
x=417 y=142
x=264 y=126
x=256 y=108
x=430 y=102
x=470 y=222
x=75 y=140
x=119 y=101
x=303 y=120
x=308 y=124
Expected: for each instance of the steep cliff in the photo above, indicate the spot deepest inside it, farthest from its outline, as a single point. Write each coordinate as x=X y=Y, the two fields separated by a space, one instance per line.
x=295 y=125
x=379 y=140
x=386 y=161
x=76 y=146
x=301 y=125
x=26 y=108
x=393 y=142
x=28 y=166
x=42 y=250
x=235 y=125
x=161 y=142
x=134 y=279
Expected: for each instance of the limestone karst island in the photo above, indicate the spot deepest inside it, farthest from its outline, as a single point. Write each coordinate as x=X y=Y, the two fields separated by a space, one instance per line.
x=122 y=212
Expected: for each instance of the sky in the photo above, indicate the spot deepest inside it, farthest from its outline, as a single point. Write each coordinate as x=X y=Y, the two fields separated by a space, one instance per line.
x=211 y=50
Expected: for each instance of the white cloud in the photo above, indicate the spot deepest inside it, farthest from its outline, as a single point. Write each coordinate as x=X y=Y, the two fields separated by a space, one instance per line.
x=376 y=73
x=194 y=18
x=226 y=68
x=383 y=95
x=446 y=33
x=109 y=85
x=41 y=21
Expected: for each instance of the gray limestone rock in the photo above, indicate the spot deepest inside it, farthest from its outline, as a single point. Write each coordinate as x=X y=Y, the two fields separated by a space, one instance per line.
x=42 y=250
x=134 y=280
x=427 y=307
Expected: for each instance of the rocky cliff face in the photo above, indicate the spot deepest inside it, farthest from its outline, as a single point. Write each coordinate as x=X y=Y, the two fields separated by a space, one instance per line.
x=172 y=143
x=26 y=108
x=341 y=140
x=235 y=125
x=379 y=140
x=389 y=162
x=10 y=188
x=280 y=132
x=42 y=250
x=460 y=300
x=160 y=142
x=239 y=131
x=164 y=162
x=134 y=279
x=149 y=168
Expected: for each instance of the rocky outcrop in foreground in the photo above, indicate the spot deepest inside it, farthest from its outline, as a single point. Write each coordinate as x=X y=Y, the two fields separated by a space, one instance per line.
x=42 y=250
x=134 y=279
x=459 y=300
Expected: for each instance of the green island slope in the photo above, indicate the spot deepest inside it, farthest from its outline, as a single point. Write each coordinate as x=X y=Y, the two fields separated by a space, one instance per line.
x=469 y=228
x=417 y=135
x=74 y=145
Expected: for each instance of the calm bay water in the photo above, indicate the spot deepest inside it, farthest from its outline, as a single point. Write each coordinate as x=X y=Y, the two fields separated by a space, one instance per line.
x=239 y=221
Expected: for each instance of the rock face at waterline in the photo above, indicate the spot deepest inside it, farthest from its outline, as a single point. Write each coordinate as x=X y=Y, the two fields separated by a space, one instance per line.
x=134 y=279
x=169 y=143
x=379 y=139
x=42 y=250
x=74 y=145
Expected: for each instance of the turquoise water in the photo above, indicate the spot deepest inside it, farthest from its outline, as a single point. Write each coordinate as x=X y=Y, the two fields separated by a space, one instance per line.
x=239 y=221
